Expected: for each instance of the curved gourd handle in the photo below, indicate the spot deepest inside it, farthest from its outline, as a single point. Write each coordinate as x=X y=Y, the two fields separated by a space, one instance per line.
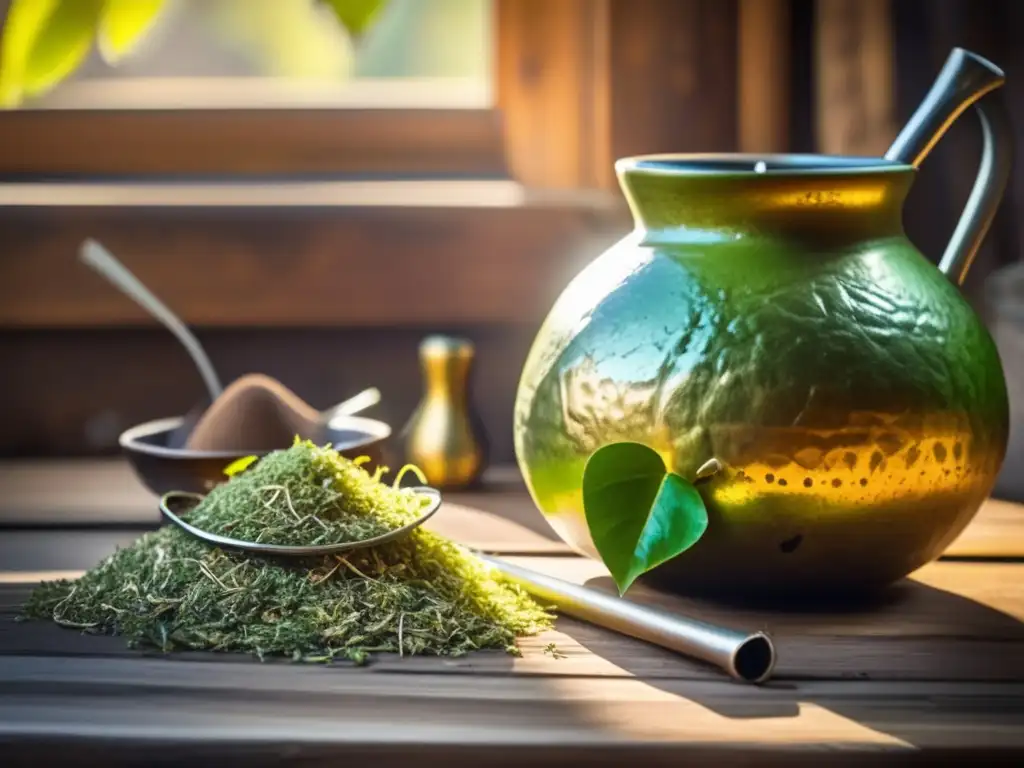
x=963 y=81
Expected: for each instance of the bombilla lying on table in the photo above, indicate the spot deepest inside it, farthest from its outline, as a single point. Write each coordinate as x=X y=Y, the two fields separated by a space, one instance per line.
x=745 y=656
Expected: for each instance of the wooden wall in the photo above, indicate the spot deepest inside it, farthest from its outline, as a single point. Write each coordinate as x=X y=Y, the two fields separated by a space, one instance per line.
x=332 y=300
x=329 y=301
x=71 y=392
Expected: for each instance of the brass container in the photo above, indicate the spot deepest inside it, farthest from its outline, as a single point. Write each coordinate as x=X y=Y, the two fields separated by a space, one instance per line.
x=443 y=437
x=770 y=313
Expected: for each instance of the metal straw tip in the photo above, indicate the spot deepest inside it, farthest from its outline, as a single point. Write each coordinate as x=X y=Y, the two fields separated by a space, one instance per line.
x=93 y=253
x=754 y=659
x=980 y=60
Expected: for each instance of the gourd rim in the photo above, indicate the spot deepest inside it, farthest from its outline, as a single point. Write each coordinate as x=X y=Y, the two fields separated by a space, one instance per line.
x=755 y=165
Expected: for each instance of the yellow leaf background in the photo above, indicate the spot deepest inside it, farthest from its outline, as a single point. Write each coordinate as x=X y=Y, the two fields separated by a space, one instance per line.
x=44 y=41
x=123 y=24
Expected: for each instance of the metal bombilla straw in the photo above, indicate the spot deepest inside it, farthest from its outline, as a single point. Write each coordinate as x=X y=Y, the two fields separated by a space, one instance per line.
x=104 y=262
x=966 y=79
x=749 y=657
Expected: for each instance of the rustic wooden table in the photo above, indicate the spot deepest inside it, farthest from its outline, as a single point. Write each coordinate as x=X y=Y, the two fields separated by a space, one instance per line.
x=934 y=670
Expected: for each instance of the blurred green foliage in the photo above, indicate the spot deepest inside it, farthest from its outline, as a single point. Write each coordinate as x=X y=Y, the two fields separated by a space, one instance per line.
x=45 y=41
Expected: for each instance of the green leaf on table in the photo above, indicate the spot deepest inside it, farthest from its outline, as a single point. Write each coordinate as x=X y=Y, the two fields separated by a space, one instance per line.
x=123 y=25
x=238 y=466
x=356 y=15
x=43 y=42
x=639 y=514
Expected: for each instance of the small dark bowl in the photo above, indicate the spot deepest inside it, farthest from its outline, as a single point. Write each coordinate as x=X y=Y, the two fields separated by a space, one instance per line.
x=163 y=469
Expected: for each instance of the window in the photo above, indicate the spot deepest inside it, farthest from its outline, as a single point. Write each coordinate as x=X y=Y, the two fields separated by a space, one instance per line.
x=263 y=89
x=215 y=54
x=309 y=228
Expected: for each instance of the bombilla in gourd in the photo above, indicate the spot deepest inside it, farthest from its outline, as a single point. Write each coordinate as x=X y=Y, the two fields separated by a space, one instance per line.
x=965 y=79
x=103 y=261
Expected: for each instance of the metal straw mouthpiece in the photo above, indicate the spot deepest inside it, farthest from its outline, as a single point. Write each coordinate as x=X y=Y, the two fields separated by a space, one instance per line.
x=747 y=657
x=964 y=79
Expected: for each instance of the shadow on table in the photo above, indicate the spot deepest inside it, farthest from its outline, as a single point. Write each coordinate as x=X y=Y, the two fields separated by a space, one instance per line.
x=911 y=632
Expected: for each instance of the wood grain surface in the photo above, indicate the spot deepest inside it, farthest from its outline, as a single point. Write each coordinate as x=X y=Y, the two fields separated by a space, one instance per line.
x=296 y=267
x=764 y=77
x=582 y=83
x=860 y=682
x=854 y=65
x=251 y=142
x=949 y=621
x=501 y=519
x=931 y=670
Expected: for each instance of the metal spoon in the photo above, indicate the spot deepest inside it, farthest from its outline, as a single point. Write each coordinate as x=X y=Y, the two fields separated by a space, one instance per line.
x=103 y=261
x=368 y=398
x=107 y=265
x=296 y=551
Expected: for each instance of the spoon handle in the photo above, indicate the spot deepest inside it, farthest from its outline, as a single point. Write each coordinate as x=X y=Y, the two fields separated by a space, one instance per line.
x=103 y=261
x=356 y=404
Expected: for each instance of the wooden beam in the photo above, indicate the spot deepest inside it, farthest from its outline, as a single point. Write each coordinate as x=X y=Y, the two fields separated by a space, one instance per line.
x=673 y=76
x=854 y=62
x=764 y=75
x=295 y=267
x=552 y=86
x=584 y=82
x=250 y=142
x=579 y=83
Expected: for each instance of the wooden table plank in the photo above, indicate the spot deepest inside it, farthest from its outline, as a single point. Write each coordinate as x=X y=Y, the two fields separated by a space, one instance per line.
x=997 y=531
x=933 y=670
x=502 y=519
x=944 y=599
x=105 y=492
x=587 y=651
x=950 y=599
x=128 y=698
x=60 y=549
x=952 y=621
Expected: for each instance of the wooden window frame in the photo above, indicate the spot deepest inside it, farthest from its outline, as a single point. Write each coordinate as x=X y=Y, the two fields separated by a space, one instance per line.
x=250 y=143
x=578 y=84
